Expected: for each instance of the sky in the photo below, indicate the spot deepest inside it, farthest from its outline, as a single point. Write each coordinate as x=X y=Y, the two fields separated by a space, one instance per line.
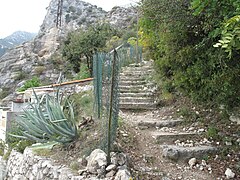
x=28 y=15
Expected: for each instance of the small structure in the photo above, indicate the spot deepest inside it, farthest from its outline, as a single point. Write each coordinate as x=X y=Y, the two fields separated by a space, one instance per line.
x=5 y=124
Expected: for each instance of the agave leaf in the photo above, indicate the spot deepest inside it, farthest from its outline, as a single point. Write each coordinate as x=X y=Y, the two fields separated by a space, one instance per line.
x=29 y=136
x=59 y=120
x=17 y=136
x=48 y=145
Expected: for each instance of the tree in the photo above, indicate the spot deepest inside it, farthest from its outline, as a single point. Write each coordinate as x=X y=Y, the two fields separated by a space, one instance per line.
x=81 y=44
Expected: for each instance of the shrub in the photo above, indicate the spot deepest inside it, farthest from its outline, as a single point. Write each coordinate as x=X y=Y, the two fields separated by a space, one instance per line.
x=21 y=75
x=181 y=42
x=39 y=70
x=34 y=82
x=83 y=73
x=83 y=103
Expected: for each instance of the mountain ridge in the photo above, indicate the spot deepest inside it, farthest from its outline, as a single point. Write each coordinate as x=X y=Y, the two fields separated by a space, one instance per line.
x=15 y=39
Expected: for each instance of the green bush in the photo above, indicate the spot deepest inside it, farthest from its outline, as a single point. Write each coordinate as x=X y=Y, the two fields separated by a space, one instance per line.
x=83 y=103
x=85 y=44
x=34 y=82
x=83 y=73
x=180 y=36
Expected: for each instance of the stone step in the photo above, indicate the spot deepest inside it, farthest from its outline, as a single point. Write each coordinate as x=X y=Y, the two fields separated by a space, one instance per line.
x=136 y=73
x=137 y=86
x=135 y=65
x=136 y=100
x=143 y=94
x=132 y=78
x=136 y=106
x=171 y=137
x=142 y=64
x=126 y=82
x=156 y=123
x=138 y=91
x=179 y=153
x=129 y=89
x=137 y=68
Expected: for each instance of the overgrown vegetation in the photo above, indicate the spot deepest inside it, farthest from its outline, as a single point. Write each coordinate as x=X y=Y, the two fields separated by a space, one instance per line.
x=181 y=36
x=34 y=82
x=80 y=46
x=83 y=104
x=83 y=73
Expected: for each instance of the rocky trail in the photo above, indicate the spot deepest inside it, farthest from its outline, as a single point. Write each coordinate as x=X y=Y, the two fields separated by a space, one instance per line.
x=161 y=144
x=166 y=155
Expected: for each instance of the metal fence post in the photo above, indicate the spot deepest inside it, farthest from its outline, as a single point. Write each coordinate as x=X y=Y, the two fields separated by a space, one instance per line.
x=111 y=107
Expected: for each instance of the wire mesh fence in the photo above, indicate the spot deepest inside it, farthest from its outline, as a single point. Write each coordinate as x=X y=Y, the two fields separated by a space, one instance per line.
x=106 y=70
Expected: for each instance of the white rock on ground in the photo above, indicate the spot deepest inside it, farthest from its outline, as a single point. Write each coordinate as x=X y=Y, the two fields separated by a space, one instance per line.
x=192 y=162
x=229 y=174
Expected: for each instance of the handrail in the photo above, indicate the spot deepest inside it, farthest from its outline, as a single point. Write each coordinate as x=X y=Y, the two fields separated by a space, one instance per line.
x=116 y=48
x=73 y=82
x=60 y=84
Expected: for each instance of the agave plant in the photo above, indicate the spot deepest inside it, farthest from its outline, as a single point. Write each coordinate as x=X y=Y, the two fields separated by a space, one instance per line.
x=48 y=119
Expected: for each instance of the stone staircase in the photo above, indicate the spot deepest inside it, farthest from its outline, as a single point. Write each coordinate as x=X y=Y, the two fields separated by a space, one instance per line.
x=136 y=91
x=178 y=141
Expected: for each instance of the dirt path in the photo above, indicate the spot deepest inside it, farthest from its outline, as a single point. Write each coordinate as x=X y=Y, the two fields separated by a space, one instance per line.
x=146 y=154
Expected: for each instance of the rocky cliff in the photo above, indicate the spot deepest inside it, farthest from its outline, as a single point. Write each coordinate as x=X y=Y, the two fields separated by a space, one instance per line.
x=32 y=58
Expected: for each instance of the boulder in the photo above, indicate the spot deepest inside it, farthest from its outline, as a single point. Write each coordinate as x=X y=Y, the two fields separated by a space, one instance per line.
x=122 y=173
x=96 y=160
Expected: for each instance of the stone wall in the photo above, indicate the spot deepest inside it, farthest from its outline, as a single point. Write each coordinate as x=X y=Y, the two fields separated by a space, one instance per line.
x=30 y=166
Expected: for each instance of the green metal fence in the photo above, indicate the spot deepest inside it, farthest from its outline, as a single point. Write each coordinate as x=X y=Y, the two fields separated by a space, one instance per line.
x=106 y=70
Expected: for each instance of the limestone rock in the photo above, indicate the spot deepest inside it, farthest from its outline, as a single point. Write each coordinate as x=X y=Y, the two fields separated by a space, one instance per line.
x=192 y=162
x=111 y=173
x=19 y=177
x=78 y=178
x=111 y=167
x=122 y=174
x=229 y=174
x=119 y=159
x=2 y=169
x=175 y=152
x=171 y=153
x=96 y=160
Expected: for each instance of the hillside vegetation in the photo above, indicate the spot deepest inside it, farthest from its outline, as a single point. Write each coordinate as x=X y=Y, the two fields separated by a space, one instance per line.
x=196 y=47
